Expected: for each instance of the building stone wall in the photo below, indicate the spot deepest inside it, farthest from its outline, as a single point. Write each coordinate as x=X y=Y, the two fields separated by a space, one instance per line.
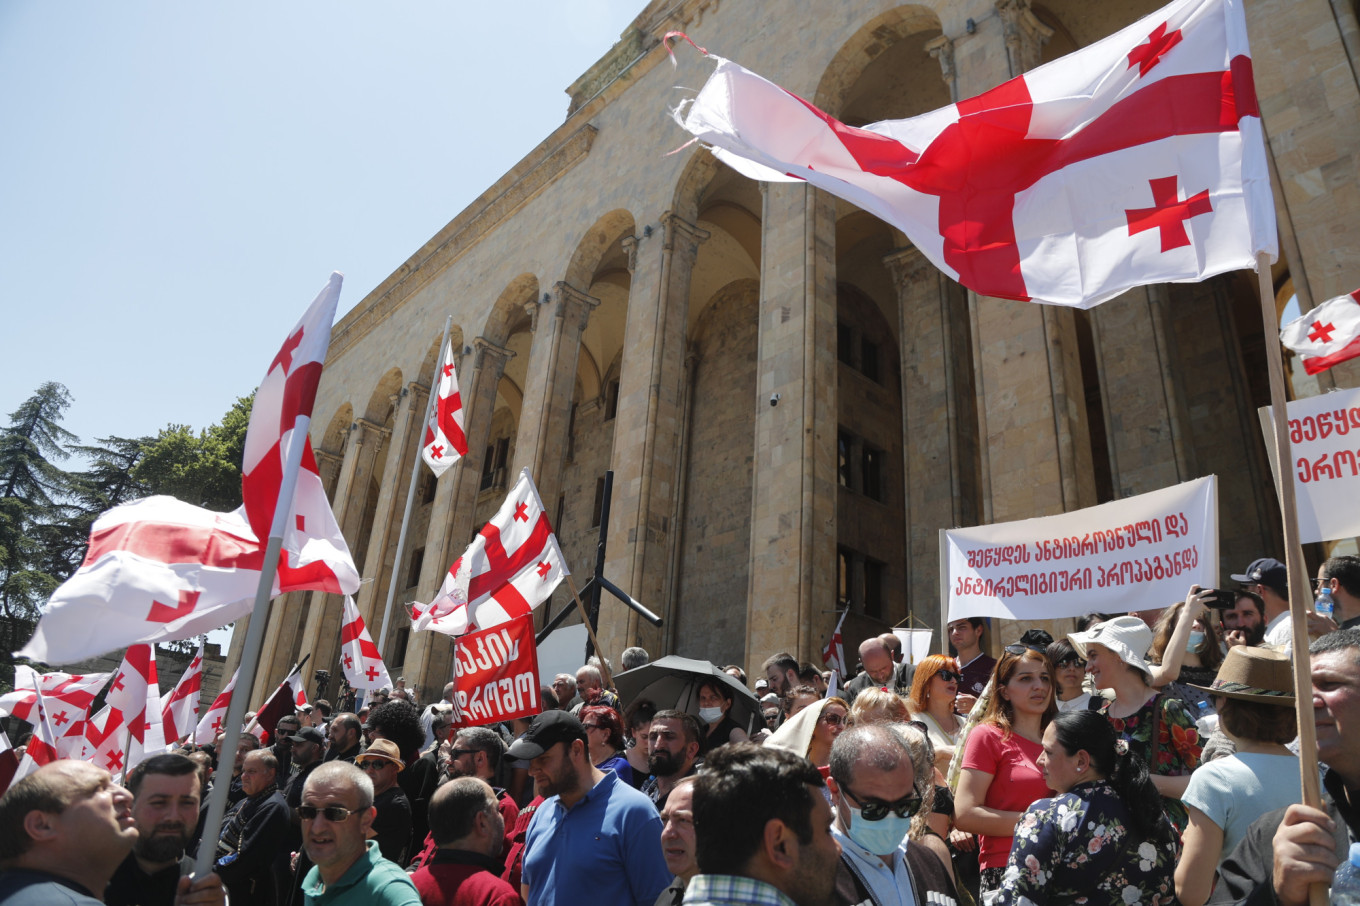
x=582 y=281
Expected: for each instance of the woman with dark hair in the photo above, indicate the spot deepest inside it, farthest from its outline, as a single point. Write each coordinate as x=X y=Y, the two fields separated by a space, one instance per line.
x=715 y=704
x=1000 y=777
x=1159 y=728
x=1254 y=693
x=604 y=738
x=1069 y=670
x=1104 y=838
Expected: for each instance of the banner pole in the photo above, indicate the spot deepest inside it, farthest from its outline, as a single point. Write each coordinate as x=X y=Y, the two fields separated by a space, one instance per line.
x=411 y=489
x=250 y=650
x=585 y=618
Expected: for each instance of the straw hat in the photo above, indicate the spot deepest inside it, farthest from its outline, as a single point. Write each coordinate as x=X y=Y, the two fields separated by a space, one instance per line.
x=1127 y=638
x=382 y=750
x=1254 y=675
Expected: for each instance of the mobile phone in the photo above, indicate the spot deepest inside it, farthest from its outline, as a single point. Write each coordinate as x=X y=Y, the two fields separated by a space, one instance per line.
x=1219 y=599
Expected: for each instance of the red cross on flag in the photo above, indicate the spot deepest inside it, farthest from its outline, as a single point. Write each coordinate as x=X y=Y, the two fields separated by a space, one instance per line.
x=510 y=568
x=179 y=711
x=1138 y=159
x=105 y=735
x=445 y=442
x=211 y=723
x=42 y=745
x=359 y=657
x=1326 y=335
x=833 y=655
x=66 y=701
x=136 y=696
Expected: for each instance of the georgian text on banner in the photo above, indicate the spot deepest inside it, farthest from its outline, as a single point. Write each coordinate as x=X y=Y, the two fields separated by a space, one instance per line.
x=496 y=672
x=1324 y=440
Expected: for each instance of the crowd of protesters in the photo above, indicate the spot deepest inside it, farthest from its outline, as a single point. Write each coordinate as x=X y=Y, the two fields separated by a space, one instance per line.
x=1144 y=758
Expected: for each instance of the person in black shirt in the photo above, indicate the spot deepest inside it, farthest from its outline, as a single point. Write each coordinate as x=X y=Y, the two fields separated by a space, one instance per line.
x=382 y=762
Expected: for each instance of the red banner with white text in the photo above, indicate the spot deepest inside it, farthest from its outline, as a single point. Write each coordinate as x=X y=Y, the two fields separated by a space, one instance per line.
x=496 y=672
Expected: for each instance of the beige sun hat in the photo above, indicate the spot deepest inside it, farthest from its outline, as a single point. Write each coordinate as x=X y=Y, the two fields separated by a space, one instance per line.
x=1254 y=675
x=1128 y=638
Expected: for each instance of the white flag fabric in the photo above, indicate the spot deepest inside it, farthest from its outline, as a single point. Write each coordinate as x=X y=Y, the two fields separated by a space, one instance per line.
x=136 y=695
x=445 y=442
x=105 y=741
x=299 y=691
x=42 y=745
x=211 y=722
x=179 y=712
x=66 y=702
x=1138 y=159
x=833 y=653
x=360 y=659
x=510 y=568
x=1326 y=335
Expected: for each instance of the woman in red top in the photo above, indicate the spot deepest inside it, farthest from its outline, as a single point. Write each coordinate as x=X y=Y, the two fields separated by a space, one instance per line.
x=1000 y=776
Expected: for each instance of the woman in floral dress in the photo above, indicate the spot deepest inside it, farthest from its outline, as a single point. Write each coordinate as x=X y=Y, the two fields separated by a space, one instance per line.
x=1104 y=839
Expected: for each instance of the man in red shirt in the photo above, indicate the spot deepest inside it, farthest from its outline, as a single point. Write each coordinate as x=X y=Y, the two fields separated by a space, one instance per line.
x=469 y=831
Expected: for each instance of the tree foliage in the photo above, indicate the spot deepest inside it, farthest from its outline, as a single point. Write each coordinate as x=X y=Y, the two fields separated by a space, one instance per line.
x=202 y=468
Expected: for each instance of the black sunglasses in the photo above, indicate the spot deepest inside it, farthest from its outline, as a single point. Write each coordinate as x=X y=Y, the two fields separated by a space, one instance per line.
x=1021 y=649
x=454 y=753
x=1073 y=661
x=877 y=809
x=332 y=812
x=949 y=676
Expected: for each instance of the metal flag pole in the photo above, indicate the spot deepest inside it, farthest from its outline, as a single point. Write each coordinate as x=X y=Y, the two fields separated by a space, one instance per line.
x=250 y=650
x=411 y=488
x=1293 y=551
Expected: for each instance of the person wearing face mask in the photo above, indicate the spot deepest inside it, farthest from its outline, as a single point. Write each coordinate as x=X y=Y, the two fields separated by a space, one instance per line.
x=715 y=704
x=873 y=789
x=1200 y=652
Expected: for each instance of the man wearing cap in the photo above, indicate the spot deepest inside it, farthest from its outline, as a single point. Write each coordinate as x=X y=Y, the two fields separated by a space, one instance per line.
x=1269 y=579
x=309 y=745
x=1288 y=849
x=282 y=748
x=593 y=833
x=382 y=762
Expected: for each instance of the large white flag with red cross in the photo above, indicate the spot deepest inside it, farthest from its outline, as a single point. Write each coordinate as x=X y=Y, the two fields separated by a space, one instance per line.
x=445 y=442
x=210 y=724
x=510 y=568
x=179 y=711
x=65 y=700
x=1138 y=159
x=1327 y=335
x=360 y=659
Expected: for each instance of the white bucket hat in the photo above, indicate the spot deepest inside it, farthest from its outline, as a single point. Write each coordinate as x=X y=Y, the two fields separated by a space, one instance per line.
x=1128 y=638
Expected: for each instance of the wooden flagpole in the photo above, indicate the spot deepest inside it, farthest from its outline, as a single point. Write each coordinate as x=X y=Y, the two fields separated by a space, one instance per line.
x=585 y=618
x=411 y=487
x=1299 y=603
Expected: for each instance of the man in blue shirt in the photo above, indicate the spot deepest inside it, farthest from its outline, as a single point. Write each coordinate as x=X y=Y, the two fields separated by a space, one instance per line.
x=594 y=837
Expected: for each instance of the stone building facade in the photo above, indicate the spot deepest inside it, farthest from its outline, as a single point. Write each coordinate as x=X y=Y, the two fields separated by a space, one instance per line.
x=793 y=401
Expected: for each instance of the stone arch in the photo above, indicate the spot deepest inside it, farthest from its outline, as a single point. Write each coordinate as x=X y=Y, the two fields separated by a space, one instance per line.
x=332 y=448
x=427 y=364
x=867 y=45
x=380 y=405
x=508 y=313
x=594 y=246
x=694 y=181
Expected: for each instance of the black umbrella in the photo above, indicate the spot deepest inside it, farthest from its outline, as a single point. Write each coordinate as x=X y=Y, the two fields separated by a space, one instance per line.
x=673 y=682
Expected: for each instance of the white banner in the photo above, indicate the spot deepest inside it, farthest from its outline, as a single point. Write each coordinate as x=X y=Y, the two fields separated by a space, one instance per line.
x=1326 y=463
x=915 y=643
x=1140 y=553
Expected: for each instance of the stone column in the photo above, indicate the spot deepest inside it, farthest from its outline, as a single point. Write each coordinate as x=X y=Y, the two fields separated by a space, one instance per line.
x=939 y=424
x=791 y=602
x=541 y=443
x=647 y=433
x=451 y=513
x=407 y=432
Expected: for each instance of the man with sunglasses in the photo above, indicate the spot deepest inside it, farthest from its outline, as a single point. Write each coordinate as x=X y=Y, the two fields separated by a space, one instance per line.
x=337 y=813
x=873 y=787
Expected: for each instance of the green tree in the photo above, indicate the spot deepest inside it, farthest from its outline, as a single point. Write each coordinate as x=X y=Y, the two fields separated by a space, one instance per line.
x=202 y=468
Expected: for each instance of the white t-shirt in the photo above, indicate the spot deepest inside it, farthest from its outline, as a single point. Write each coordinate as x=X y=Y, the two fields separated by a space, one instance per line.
x=1280 y=631
x=1235 y=790
x=1080 y=703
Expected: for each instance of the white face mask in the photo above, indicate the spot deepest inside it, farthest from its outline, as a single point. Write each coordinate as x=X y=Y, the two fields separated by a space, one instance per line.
x=710 y=715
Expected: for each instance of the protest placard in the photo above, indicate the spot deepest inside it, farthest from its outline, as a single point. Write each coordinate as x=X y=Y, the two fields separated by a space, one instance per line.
x=1139 y=553
x=1324 y=440
x=496 y=674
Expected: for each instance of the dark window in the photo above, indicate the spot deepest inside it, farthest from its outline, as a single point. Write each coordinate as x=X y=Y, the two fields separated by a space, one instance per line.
x=561 y=508
x=873 y=588
x=399 y=647
x=417 y=564
x=611 y=400
x=871 y=473
x=427 y=486
x=598 y=509
x=843 y=460
x=493 y=470
x=842 y=577
x=845 y=343
x=868 y=358
x=571 y=434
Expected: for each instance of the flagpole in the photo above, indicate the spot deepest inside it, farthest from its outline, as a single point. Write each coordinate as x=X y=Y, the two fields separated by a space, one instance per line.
x=411 y=488
x=1296 y=570
x=585 y=618
x=250 y=650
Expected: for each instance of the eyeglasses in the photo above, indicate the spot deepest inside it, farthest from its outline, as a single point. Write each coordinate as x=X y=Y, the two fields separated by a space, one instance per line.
x=877 y=809
x=1019 y=648
x=375 y=764
x=1073 y=661
x=332 y=812
x=592 y=726
x=832 y=720
x=949 y=676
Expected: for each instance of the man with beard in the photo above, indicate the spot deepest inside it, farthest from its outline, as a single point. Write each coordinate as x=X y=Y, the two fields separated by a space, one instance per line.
x=594 y=832
x=762 y=830
x=1245 y=623
x=165 y=792
x=476 y=752
x=673 y=744
x=253 y=833
x=346 y=734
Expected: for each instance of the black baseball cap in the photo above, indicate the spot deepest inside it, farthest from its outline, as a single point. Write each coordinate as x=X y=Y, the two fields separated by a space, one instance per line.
x=309 y=734
x=1266 y=571
x=547 y=730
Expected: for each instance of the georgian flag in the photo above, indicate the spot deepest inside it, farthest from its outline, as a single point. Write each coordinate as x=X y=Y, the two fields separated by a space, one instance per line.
x=1138 y=159
x=833 y=655
x=42 y=745
x=66 y=702
x=211 y=722
x=160 y=569
x=135 y=698
x=445 y=442
x=510 y=568
x=1327 y=335
x=105 y=735
x=360 y=659
x=179 y=712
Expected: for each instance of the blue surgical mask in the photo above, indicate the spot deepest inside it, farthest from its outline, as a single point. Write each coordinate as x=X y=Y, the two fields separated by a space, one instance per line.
x=878 y=837
x=1196 y=639
x=710 y=715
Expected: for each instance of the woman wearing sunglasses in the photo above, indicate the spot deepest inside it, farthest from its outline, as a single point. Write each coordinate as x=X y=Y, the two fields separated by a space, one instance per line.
x=934 y=690
x=812 y=730
x=1069 y=672
x=1104 y=837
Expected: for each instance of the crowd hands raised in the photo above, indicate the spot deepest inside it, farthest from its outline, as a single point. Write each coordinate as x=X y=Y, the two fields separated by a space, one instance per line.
x=1144 y=758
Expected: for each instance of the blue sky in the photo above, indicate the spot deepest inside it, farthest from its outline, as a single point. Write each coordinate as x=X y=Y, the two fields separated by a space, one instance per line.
x=181 y=178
